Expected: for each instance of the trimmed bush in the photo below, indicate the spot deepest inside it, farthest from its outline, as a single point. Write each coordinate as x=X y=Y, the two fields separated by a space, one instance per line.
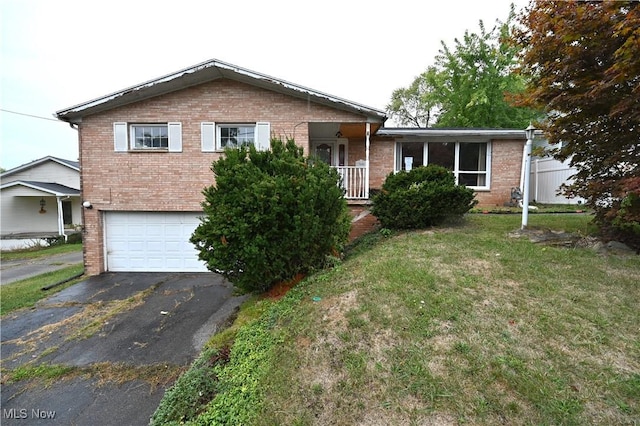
x=422 y=197
x=270 y=216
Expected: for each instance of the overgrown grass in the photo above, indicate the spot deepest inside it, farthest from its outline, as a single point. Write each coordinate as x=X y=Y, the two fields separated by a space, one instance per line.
x=191 y=393
x=25 y=293
x=37 y=251
x=455 y=325
x=46 y=374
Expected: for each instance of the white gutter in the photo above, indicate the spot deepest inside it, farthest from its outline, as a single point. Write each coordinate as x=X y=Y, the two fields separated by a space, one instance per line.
x=494 y=133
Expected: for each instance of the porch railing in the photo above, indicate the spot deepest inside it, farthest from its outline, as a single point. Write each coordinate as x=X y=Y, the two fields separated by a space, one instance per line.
x=353 y=181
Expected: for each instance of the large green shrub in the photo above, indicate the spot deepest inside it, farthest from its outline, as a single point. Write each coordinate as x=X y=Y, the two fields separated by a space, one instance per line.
x=270 y=215
x=422 y=197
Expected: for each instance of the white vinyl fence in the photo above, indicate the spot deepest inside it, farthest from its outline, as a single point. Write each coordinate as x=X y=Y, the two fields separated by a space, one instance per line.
x=547 y=174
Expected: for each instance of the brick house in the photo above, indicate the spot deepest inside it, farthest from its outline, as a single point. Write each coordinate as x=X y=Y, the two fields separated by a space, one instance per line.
x=146 y=153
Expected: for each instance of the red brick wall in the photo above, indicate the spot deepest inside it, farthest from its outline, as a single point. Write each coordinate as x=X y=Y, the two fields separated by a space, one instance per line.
x=173 y=181
x=506 y=164
x=381 y=157
x=361 y=224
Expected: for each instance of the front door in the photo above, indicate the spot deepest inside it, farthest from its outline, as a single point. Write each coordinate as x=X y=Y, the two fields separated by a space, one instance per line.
x=67 y=215
x=332 y=152
x=325 y=151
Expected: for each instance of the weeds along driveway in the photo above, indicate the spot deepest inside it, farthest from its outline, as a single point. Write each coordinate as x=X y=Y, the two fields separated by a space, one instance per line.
x=103 y=351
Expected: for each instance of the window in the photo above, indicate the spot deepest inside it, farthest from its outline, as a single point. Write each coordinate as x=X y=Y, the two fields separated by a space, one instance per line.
x=217 y=137
x=235 y=135
x=469 y=161
x=147 y=137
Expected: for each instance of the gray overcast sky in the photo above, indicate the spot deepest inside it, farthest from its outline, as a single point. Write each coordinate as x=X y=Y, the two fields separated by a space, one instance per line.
x=56 y=54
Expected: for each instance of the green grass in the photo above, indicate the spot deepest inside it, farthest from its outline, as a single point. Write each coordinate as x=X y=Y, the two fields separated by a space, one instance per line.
x=47 y=373
x=454 y=325
x=25 y=293
x=540 y=209
x=36 y=252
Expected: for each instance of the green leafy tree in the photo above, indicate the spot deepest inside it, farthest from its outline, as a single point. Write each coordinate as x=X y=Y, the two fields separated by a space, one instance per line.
x=416 y=105
x=471 y=85
x=581 y=59
x=270 y=215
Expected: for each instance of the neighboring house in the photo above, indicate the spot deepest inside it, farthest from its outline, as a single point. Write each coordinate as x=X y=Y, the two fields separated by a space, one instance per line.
x=146 y=153
x=40 y=199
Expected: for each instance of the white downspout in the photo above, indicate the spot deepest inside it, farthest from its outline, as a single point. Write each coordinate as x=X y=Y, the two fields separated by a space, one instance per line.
x=60 y=219
x=523 y=166
x=366 y=170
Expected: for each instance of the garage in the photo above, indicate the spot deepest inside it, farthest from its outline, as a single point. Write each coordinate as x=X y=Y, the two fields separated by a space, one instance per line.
x=151 y=242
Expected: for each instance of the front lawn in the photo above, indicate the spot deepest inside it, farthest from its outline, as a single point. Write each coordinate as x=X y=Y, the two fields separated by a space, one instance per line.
x=37 y=252
x=26 y=293
x=452 y=325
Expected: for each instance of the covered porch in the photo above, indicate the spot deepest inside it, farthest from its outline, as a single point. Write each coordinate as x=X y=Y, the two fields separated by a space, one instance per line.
x=346 y=147
x=38 y=210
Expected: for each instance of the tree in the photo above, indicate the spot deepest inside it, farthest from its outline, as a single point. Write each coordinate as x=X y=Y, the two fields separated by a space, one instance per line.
x=470 y=85
x=270 y=215
x=416 y=105
x=581 y=59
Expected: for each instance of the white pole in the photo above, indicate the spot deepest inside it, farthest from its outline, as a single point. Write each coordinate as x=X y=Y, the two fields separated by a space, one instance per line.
x=527 y=176
x=366 y=171
x=60 y=219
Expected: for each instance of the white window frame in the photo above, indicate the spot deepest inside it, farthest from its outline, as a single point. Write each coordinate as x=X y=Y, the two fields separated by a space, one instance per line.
x=132 y=137
x=124 y=137
x=456 y=171
x=210 y=135
x=221 y=126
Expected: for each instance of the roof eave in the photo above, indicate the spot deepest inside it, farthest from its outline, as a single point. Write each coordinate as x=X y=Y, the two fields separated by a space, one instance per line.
x=202 y=73
x=38 y=162
x=75 y=193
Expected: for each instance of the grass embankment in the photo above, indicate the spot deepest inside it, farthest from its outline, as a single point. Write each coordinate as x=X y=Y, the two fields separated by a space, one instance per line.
x=37 y=252
x=457 y=325
x=25 y=293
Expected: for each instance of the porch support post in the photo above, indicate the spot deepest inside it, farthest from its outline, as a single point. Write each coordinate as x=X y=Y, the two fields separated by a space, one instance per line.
x=366 y=170
x=60 y=218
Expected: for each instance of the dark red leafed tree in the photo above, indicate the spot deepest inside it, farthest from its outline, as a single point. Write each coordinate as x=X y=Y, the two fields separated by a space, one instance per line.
x=582 y=62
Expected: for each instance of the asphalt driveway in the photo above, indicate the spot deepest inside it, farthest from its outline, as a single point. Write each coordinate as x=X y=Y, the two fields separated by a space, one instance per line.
x=125 y=337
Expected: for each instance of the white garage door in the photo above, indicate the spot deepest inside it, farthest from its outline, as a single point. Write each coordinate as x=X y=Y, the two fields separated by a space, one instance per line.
x=151 y=242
